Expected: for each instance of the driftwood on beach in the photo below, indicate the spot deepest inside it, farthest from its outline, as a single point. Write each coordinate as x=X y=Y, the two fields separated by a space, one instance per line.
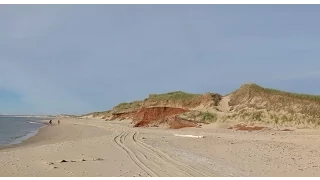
x=191 y=136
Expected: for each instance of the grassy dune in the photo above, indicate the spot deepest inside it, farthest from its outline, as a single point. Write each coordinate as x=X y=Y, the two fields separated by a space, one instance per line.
x=252 y=102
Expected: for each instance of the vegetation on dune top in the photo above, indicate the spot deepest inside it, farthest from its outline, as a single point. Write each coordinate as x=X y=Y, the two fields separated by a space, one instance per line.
x=284 y=93
x=125 y=106
x=176 y=95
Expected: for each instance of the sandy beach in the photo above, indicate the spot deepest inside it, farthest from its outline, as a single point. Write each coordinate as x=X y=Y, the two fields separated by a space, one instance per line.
x=92 y=147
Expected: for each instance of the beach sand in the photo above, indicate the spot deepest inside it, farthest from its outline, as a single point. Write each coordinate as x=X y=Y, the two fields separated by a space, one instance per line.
x=92 y=147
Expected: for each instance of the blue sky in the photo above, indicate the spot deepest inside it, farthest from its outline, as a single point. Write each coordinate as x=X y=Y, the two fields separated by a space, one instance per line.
x=82 y=58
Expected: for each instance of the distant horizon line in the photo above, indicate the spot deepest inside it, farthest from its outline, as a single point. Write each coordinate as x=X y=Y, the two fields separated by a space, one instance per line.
x=25 y=115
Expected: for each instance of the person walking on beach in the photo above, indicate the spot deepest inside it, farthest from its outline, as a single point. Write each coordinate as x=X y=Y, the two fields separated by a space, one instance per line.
x=50 y=122
x=58 y=122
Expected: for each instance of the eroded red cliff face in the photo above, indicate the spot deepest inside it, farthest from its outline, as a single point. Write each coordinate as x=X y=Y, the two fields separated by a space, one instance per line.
x=157 y=116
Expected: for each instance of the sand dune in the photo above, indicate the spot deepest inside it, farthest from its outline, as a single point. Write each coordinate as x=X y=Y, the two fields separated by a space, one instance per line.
x=84 y=147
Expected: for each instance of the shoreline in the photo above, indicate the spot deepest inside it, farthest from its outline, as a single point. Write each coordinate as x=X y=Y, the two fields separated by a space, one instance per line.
x=48 y=134
x=23 y=140
x=25 y=137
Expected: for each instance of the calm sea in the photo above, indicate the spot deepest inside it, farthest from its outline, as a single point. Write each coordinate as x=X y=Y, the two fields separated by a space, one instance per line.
x=13 y=130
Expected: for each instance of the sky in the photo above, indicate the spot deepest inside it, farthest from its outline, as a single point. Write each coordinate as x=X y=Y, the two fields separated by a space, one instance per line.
x=76 y=59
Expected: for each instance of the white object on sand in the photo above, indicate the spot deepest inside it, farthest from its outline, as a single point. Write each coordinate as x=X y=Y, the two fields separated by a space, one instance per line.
x=192 y=136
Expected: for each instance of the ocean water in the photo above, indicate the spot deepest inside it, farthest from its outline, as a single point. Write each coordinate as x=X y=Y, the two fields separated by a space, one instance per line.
x=14 y=130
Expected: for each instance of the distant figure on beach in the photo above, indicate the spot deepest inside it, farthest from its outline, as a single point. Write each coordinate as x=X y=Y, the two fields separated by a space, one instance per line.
x=58 y=122
x=50 y=122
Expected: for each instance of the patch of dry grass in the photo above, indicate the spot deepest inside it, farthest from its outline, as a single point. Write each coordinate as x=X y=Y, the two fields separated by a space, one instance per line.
x=184 y=99
x=207 y=117
x=127 y=106
x=199 y=116
x=176 y=95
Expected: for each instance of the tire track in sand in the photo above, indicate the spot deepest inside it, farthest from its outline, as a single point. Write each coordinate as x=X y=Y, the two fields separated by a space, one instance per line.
x=148 y=160
x=190 y=171
x=119 y=140
x=156 y=162
x=153 y=161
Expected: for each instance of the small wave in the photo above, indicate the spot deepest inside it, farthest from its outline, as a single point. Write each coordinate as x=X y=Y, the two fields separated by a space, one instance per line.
x=31 y=122
x=19 y=139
